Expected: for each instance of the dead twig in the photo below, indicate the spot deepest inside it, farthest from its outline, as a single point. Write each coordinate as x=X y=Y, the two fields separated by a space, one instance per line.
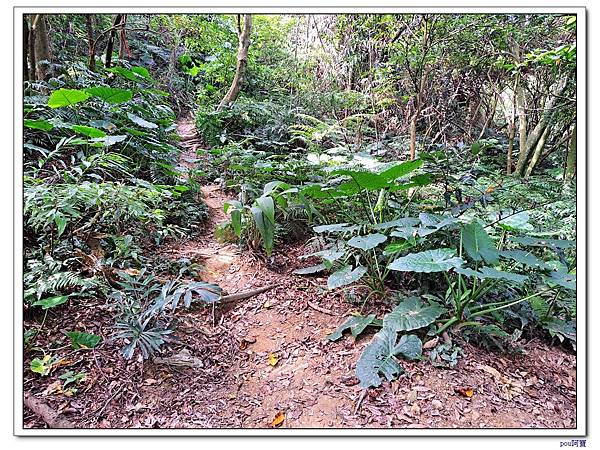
x=320 y=309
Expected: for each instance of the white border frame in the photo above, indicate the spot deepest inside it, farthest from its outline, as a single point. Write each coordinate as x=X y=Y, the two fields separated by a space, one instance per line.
x=308 y=7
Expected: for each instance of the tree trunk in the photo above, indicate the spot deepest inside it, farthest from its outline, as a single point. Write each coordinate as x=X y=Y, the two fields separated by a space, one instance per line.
x=123 y=48
x=571 y=156
x=31 y=43
x=536 y=134
x=89 y=24
x=111 y=41
x=25 y=48
x=413 y=137
x=522 y=128
x=538 y=151
x=511 y=143
x=43 y=70
x=242 y=61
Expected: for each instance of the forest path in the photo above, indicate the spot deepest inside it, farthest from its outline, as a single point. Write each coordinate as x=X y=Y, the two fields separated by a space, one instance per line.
x=267 y=355
x=275 y=340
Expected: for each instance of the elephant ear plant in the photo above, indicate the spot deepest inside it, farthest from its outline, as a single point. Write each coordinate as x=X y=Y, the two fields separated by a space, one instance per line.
x=472 y=272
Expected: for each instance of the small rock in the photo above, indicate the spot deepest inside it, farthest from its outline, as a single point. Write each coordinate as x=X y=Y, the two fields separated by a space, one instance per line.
x=436 y=404
x=415 y=409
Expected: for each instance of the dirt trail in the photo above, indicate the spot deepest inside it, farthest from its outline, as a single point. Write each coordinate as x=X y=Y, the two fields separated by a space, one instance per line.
x=267 y=355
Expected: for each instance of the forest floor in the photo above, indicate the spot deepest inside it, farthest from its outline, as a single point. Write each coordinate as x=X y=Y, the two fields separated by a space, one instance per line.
x=265 y=358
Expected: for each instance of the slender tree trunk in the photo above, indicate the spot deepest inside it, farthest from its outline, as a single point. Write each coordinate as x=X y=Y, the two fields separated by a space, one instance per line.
x=522 y=129
x=413 y=136
x=538 y=151
x=571 y=156
x=123 y=39
x=31 y=43
x=511 y=144
x=89 y=24
x=242 y=62
x=111 y=41
x=25 y=48
x=43 y=70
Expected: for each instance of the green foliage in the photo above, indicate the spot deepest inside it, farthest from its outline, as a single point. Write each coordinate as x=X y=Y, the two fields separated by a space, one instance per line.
x=83 y=340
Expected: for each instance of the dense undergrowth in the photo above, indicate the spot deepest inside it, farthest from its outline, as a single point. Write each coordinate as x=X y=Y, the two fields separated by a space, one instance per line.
x=447 y=241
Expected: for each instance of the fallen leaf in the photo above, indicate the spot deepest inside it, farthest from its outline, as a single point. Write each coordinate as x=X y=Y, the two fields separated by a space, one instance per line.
x=267 y=304
x=273 y=359
x=466 y=392
x=431 y=343
x=278 y=420
x=244 y=343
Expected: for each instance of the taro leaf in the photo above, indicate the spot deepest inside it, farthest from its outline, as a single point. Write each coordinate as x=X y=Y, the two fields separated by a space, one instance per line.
x=111 y=95
x=438 y=260
x=39 y=124
x=561 y=329
x=267 y=206
x=403 y=222
x=66 y=97
x=310 y=270
x=536 y=242
x=88 y=131
x=367 y=242
x=524 y=257
x=362 y=179
x=345 y=276
x=265 y=226
x=435 y=221
x=141 y=122
x=478 y=244
x=400 y=170
x=514 y=222
x=51 y=302
x=397 y=247
x=562 y=278
x=356 y=325
x=139 y=74
x=335 y=228
x=405 y=232
x=378 y=357
x=83 y=340
x=412 y=314
x=489 y=272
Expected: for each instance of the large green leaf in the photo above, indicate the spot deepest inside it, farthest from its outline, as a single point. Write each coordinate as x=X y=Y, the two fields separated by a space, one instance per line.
x=525 y=258
x=141 y=122
x=139 y=74
x=478 y=244
x=412 y=314
x=66 y=97
x=39 y=124
x=356 y=325
x=83 y=340
x=362 y=179
x=345 y=276
x=400 y=170
x=265 y=226
x=438 y=260
x=335 y=228
x=89 y=131
x=403 y=222
x=111 y=95
x=267 y=206
x=514 y=222
x=562 y=278
x=367 y=242
x=379 y=357
x=51 y=302
x=538 y=242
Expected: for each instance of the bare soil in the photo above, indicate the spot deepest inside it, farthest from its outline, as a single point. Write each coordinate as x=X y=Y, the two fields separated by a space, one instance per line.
x=267 y=355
